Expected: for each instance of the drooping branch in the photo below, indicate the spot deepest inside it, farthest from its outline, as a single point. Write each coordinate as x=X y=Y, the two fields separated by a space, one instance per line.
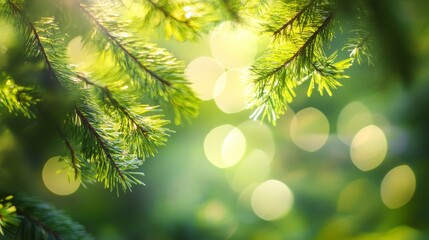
x=115 y=41
x=295 y=18
x=116 y=103
x=302 y=49
x=41 y=48
x=100 y=141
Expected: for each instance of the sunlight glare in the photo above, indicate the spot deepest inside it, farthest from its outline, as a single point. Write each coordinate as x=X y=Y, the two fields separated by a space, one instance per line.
x=203 y=73
x=352 y=118
x=213 y=213
x=398 y=186
x=252 y=169
x=258 y=136
x=309 y=129
x=58 y=178
x=79 y=55
x=272 y=200
x=233 y=46
x=231 y=97
x=224 y=146
x=368 y=148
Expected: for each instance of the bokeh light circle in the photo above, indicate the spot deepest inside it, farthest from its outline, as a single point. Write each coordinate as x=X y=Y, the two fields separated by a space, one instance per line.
x=59 y=178
x=224 y=146
x=252 y=169
x=368 y=148
x=272 y=200
x=203 y=73
x=309 y=129
x=398 y=186
x=258 y=136
x=79 y=54
x=233 y=46
x=352 y=118
x=231 y=97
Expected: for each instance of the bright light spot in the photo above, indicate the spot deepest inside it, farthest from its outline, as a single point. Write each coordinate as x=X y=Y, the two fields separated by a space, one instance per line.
x=203 y=72
x=272 y=200
x=369 y=147
x=59 y=178
x=7 y=40
x=352 y=118
x=355 y=197
x=252 y=169
x=233 y=46
x=233 y=147
x=78 y=54
x=213 y=212
x=398 y=186
x=187 y=8
x=188 y=12
x=224 y=146
x=258 y=136
x=8 y=34
x=309 y=129
x=230 y=87
x=402 y=232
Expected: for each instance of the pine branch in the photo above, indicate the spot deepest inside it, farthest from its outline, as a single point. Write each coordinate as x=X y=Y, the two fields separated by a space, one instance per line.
x=296 y=55
x=72 y=152
x=149 y=127
x=17 y=99
x=295 y=18
x=304 y=49
x=152 y=69
x=8 y=218
x=181 y=19
x=230 y=9
x=40 y=47
x=38 y=220
x=168 y=15
x=100 y=142
x=359 y=46
x=127 y=53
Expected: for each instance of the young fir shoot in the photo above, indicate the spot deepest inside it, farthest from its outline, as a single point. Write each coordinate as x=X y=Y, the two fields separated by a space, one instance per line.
x=301 y=32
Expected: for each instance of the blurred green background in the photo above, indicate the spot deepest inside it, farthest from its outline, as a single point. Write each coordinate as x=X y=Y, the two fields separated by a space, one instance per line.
x=350 y=166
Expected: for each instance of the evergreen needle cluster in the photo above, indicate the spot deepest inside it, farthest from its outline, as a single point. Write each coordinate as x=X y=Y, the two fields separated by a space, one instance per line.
x=300 y=33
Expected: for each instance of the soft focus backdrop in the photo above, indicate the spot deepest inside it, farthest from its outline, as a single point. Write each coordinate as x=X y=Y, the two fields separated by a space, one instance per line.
x=350 y=166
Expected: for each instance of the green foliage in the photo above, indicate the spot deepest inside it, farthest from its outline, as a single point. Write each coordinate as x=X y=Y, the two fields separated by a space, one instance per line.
x=112 y=114
x=8 y=216
x=182 y=20
x=300 y=33
x=16 y=99
x=29 y=218
x=108 y=128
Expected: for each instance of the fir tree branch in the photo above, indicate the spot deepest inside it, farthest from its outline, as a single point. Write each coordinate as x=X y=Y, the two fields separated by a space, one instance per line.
x=115 y=41
x=115 y=102
x=41 y=48
x=167 y=14
x=38 y=220
x=46 y=229
x=100 y=142
x=292 y=20
x=8 y=216
x=231 y=8
x=304 y=47
x=73 y=157
x=152 y=69
x=149 y=127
